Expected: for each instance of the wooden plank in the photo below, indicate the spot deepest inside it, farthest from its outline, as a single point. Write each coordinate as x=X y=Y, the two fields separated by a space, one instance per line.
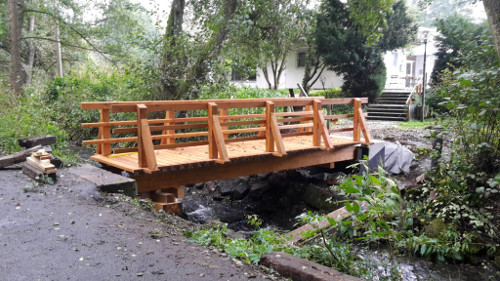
x=316 y=127
x=340 y=130
x=269 y=121
x=231 y=170
x=324 y=131
x=146 y=151
x=43 y=165
x=343 y=101
x=364 y=128
x=34 y=141
x=212 y=143
x=219 y=139
x=277 y=136
x=296 y=113
x=245 y=130
x=169 y=114
x=294 y=119
x=241 y=116
x=296 y=126
x=168 y=130
x=105 y=132
x=241 y=123
x=224 y=112
x=356 y=135
x=17 y=157
x=151 y=121
x=337 y=116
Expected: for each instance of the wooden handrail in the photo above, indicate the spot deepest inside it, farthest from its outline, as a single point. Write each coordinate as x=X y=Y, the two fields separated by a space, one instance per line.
x=218 y=127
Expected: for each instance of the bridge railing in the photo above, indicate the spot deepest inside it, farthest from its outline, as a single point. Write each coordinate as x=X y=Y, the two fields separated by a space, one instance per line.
x=216 y=128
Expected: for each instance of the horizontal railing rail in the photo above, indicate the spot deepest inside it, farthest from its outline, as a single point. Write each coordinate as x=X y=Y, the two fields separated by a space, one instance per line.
x=217 y=128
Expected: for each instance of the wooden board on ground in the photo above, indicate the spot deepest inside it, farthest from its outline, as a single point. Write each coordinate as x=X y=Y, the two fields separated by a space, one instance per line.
x=35 y=173
x=299 y=269
x=34 y=141
x=43 y=165
x=17 y=157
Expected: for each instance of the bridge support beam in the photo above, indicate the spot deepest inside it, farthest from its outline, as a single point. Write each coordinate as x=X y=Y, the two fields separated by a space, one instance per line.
x=265 y=164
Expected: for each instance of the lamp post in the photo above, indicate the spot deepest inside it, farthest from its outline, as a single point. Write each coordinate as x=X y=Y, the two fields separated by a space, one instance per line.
x=424 y=80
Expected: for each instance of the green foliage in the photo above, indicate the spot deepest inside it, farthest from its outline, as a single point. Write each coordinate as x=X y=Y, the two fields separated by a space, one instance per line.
x=341 y=43
x=329 y=94
x=262 y=242
x=458 y=38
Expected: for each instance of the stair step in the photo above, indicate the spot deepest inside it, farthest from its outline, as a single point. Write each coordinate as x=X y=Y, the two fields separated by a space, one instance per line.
x=387 y=105
x=392 y=110
x=395 y=114
x=380 y=118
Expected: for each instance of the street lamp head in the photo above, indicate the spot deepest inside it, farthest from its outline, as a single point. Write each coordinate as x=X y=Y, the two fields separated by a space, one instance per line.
x=425 y=34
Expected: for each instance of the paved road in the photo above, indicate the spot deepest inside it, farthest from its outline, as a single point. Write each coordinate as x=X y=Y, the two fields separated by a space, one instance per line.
x=59 y=232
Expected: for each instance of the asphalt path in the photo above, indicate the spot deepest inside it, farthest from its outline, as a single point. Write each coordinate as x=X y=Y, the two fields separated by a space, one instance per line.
x=61 y=232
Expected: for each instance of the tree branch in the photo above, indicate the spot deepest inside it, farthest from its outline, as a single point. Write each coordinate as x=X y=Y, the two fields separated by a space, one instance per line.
x=58 y=41
x=93 y=47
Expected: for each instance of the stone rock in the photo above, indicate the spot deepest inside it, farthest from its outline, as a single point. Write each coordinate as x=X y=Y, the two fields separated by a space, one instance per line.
x=211 y=186
x=335 y=178
x=496 y=261
x=435 y=228
x=226 y=186
x=240 y=190
x=199 y=186
x=201 y=215
x=316 y=197
x=257 y=190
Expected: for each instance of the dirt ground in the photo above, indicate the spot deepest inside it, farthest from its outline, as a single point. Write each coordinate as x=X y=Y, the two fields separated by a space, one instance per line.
x=69 y=231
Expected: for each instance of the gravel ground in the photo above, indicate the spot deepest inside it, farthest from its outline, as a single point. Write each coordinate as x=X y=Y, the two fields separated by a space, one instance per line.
x=69 y=231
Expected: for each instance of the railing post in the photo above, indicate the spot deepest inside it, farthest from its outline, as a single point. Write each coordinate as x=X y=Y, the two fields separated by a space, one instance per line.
x=146 y=153
x=104 y=133
x=356 y=135
x=212 y=145
x=223 y=112
x=316 y=123
x=269 y=132
x=169 y=114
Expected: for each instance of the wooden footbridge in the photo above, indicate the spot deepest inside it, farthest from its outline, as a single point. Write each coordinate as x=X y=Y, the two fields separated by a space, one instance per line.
x=220 y=139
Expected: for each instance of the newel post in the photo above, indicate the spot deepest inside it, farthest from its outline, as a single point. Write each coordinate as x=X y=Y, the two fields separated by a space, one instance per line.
x=356 y=135
x=104 y=133
x=146 y=152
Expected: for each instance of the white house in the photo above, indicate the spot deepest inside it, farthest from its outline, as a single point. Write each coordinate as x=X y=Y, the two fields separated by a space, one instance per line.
x=404 y=68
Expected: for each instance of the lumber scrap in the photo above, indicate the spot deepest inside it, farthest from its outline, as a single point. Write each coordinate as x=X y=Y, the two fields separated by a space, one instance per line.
x=35 y=173
x=17 y=157
x=299 y=269
x=34 y=141
x=43 y=165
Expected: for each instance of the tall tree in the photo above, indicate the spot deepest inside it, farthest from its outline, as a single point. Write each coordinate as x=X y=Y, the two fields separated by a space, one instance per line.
x=456 y=34
x=191 y=69
x=492 y=8
x=348 y=49
x=16 y=19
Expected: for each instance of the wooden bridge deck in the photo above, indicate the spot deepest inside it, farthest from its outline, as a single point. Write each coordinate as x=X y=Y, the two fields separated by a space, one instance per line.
x=214 y=140
x=173 y=159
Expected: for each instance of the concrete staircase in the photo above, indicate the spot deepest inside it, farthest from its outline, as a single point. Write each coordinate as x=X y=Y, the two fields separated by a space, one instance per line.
x=390 y=106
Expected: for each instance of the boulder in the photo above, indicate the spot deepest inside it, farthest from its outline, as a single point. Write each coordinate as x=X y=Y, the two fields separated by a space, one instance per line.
x=335 y=178
x=240 y=190
x=226 y=186
x=316 y=197
x=435 y=228
x=257 y=190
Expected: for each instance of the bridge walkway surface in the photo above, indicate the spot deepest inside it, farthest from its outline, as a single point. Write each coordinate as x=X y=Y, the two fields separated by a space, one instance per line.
x=167 y=144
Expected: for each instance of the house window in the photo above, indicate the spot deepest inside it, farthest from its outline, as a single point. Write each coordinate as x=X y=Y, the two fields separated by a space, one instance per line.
x=301 y=59
x=243 y=73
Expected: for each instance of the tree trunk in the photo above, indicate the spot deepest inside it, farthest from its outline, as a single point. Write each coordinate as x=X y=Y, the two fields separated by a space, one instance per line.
x=58 y=49
x=210 y=51
x=31 y=50
x=172 y=67
x=16 y=16
x=492 y=8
